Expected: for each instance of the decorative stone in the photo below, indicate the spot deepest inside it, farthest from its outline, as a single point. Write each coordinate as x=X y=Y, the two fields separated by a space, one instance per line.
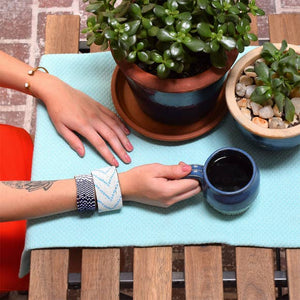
x=240 y=89
x=246 y=80
x=295 y=120
x=296 y=102
x=276 y=123
x=266 y=112
x=243 y=102
x=295 y=93
x=276 y=111
x=249 y=90
x=249 y=71
x=260 y=122
x=255 y=108
x=246 y=112
x=259 y=60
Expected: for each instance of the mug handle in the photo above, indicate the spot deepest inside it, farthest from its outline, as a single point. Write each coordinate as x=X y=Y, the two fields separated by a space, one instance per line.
x=197 y=173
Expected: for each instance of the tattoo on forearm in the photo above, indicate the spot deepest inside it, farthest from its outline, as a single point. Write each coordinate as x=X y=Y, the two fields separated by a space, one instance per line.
x=30 y=186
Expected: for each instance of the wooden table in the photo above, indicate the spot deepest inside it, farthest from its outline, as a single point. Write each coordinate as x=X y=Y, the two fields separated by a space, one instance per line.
x=203 y=276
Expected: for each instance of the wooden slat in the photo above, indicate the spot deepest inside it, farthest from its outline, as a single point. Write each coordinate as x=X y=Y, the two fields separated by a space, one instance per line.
x=152 y=273
x=100 y=274
x=62 y=34
x=49 y=274
x=203 y=272
x=293 y=269
x=285 y=26
x=255 y=273
x=254 y=29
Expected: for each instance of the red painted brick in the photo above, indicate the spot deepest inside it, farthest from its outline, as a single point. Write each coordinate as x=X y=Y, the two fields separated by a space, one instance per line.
x=15 y=19
x=55 y=3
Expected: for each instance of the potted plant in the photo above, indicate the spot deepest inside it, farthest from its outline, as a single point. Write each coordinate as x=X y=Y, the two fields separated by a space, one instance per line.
x=174 y=53
x=263 y=95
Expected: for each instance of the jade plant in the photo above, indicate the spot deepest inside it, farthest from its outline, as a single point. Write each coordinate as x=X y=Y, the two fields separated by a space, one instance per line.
x=168 y=37
x=278 y=78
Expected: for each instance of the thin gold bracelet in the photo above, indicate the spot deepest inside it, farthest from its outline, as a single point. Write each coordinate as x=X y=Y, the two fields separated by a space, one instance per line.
x=31 y=73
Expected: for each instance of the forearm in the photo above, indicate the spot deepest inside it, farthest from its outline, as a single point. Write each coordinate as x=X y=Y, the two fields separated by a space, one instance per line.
x=31 y=199
x=14 y=75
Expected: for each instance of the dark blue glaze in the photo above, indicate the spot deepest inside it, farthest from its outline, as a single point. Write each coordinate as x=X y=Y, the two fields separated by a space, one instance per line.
x=234 y=202
x=176 y=108
x=268 y=143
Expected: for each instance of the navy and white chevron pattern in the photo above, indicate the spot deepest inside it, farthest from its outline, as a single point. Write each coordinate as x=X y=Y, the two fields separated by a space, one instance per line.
x=107 y=188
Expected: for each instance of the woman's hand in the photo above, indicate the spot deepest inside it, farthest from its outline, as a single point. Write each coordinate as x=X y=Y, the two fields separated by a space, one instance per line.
x=158 y=185
x=72 y=111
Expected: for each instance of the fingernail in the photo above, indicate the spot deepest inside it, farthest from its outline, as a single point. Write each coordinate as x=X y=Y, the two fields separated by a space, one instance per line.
x=126 y=130
x=185 y=167
x=127 y=158
x=129 y=146
x=115 y=162
x=80 y=152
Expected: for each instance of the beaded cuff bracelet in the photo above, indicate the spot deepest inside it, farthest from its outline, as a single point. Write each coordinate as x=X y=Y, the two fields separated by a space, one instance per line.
x=86 y=198
x=107 y=188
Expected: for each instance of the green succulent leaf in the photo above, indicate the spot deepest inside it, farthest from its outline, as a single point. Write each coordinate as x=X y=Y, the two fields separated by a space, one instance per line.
x=93 y=7
x=153 y=31
x=176 y=49
x=131 y=56
x=227 y=42
x=219 y=58
x=289 y=110
x=279 y=100
x=196 y=45
x=135 y=10
x=143 y=56
x=214 y=45
x=159 y=11
x=109 y=34
x=202 y=4
x=169 y=20
x=184 y=26
x=156 y=57
x=261 y=94
x=234 y=10
x=240 y=45
x=133 y=27
x=204 y=30
x=164 y=36
x=162 y=71
x=262 y=70
x=148 y=8
x=185 y=16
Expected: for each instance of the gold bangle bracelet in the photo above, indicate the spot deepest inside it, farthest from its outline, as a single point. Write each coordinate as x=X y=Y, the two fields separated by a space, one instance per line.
x=31 y=73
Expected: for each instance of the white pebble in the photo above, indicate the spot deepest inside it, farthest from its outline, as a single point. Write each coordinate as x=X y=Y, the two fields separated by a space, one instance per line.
x=249 y=90
x=246 y=112
x=296 y=102
x=276 y=123
x=240 y=89
x=246 y=80
x=266 y=112
x=255 y=107
x=276 y=111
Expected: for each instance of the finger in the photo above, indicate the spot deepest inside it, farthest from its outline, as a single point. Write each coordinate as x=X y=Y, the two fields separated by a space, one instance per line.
x=113 y=140
x=177 y=187
x=116 y=126
x=174 y=171
x=113 y=116
x=185 y=195
x=72 y=139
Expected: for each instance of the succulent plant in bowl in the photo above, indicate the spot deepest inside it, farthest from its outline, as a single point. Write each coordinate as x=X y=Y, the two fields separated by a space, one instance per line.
x=173 y=40
x=263 y=95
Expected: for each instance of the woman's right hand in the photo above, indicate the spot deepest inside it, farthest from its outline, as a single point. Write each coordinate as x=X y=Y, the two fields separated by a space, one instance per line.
x=158 y=185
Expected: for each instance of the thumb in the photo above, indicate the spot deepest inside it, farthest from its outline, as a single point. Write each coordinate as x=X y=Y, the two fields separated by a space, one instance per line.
x=176 y=171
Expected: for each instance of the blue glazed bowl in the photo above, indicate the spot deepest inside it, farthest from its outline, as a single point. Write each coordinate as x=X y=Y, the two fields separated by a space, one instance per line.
x=270 y=139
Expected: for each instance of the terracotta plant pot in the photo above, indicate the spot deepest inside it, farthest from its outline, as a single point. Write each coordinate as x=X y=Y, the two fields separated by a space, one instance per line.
x=176 y=101
x=272 y=139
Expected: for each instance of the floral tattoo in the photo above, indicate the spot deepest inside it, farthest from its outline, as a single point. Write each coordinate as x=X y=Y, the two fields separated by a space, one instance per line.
x=30 y=186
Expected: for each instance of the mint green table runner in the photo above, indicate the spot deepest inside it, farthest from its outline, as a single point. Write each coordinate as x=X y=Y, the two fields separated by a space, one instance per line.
x=272 y=221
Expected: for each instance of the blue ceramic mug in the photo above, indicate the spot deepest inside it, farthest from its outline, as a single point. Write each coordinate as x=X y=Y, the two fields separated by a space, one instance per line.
x=229 y=180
